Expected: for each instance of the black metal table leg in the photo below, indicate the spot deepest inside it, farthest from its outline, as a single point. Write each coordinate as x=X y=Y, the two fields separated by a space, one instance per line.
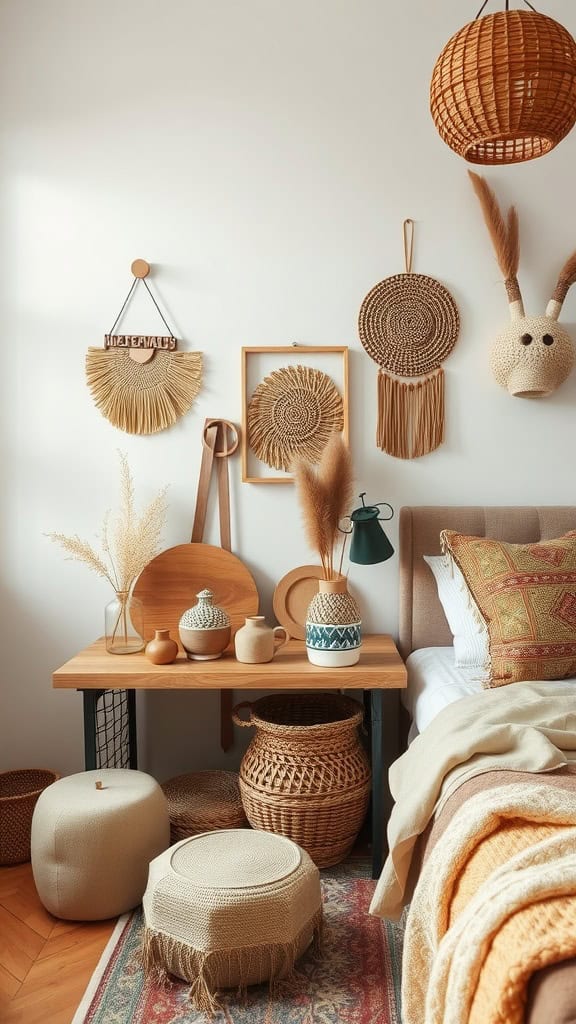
x=90 y=702
x=378 y=768
x=132 y=738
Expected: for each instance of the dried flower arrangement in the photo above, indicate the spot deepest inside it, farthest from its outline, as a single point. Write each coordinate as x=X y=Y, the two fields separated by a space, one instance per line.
x=325 y=494
x=128 y=544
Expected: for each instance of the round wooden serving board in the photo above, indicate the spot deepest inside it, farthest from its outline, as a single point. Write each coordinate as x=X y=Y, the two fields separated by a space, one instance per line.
x=168 y=586
x=292 y=597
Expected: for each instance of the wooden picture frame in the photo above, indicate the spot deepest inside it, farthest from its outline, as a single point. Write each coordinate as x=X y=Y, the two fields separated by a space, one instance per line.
x=256 y=363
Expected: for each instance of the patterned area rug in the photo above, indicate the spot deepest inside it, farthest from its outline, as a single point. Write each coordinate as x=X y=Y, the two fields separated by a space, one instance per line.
x=355 y=981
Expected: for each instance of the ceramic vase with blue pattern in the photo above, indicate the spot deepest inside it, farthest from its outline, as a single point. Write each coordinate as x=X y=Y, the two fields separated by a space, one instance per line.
x=333 y=626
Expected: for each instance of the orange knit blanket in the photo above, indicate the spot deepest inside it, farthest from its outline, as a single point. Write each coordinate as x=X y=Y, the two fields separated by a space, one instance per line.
x=535 y=936
x=495 y=902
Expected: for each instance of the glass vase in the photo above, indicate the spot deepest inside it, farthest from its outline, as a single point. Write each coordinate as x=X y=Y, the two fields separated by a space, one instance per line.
x=124 y=624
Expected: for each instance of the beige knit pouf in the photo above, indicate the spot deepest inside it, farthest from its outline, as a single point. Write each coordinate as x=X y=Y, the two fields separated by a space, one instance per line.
x=229 y=909
x=91 y=846
x=203 y=802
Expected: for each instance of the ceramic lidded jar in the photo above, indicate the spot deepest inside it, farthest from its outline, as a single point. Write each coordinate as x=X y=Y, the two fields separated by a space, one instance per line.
x=256 y=642
x=333 y=625
x=204 y=629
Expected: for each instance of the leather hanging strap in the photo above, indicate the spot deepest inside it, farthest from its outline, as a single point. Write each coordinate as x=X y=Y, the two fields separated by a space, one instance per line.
x=216 y=445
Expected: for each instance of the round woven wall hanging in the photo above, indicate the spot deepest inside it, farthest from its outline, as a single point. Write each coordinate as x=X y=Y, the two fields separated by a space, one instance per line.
x=292 y=413
x=409 y=324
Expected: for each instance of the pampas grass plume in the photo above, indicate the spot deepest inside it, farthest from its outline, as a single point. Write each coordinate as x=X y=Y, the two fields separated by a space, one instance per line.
x=325 y=494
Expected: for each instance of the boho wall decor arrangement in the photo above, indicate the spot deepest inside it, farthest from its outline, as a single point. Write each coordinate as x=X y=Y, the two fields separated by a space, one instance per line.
x=534 y=354
x=409 y=324
x=503 y=89
x=141 y=383
x=293 y=410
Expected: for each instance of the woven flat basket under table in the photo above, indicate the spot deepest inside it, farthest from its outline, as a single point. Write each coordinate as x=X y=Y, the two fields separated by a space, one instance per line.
x=305 y=774
x=19 y=791
x=203 y=802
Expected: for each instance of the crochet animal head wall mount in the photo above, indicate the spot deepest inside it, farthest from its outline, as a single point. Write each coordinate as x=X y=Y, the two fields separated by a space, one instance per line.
x=534 y=354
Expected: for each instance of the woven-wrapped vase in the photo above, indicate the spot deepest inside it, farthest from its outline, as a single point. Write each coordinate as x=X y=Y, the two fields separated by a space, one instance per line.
x=305 y=774
x=333 y=625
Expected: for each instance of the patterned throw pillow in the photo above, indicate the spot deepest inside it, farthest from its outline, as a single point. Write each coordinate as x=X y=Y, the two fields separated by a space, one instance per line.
x=526 y=594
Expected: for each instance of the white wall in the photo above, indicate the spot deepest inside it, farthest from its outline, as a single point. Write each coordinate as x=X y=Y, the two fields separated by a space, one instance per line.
x=262 y=156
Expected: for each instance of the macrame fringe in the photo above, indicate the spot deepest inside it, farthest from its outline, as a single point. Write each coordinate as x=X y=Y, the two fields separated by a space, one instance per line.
x=410 y=415
x=163 y=956
x=143 y=398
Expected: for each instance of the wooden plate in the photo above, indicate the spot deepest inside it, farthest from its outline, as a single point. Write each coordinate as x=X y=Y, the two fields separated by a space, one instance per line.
x=170 y=582
x=292 y=597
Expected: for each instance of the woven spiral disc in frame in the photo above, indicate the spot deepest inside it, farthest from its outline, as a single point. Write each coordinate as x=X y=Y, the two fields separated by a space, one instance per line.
x=408 y=324
x=291 y=414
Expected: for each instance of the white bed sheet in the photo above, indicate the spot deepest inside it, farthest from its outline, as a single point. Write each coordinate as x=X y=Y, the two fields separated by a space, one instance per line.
x=434 y=682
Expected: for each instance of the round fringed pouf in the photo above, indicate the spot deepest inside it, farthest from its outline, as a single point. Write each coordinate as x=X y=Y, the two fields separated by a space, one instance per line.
x=203 y=802
x=305 y=773
x=229 y=909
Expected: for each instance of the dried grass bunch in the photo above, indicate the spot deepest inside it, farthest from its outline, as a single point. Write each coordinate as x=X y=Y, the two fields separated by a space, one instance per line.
x=128 y=542
x=325 y=493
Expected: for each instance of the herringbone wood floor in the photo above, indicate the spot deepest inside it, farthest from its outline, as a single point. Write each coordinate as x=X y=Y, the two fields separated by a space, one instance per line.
x=45 y=964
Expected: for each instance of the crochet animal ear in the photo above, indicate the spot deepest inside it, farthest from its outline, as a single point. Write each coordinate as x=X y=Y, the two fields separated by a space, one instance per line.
x=505 y=240
x=566 y=278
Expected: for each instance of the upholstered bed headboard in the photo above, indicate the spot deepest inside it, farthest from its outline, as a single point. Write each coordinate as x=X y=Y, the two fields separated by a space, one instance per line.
x=421 y=619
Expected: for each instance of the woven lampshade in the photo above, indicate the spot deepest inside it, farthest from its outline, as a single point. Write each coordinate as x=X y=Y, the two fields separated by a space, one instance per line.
x=503 y=89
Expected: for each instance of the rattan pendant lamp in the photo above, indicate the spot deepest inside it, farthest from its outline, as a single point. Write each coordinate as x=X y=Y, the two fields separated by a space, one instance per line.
x=503 y=89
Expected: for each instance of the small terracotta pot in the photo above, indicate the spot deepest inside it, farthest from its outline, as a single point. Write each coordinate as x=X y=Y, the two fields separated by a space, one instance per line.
x=161 y=650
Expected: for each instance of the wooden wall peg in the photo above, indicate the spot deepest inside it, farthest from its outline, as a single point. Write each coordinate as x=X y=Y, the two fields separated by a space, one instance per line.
x=140 y=268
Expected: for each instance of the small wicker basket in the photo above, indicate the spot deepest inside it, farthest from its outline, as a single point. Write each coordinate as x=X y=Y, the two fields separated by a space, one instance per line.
x=203 y=802
x=305 y=774
x=19 y=791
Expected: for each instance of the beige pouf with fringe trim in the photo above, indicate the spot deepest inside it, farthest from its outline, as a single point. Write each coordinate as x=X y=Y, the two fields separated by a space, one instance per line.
x=229 y=909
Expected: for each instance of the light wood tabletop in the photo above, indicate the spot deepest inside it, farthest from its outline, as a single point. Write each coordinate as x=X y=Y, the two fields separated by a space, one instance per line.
x=380 y=667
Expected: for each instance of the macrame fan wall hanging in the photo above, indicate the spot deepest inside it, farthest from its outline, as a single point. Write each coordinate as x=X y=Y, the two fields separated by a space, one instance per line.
x=141 y=383
x=409 y=324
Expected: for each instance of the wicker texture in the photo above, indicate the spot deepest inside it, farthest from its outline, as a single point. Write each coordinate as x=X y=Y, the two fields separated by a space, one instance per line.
x=203 y=802
x=19 y=791
x=503 y=89
x=305 y=774
x=409 y=324
x=293 y=413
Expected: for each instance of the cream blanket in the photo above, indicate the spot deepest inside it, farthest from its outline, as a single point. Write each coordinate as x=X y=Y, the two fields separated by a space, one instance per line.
x=441 y=968
x=522 y=727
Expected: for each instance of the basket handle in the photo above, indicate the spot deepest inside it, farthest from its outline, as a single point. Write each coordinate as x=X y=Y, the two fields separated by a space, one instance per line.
x=242 y=721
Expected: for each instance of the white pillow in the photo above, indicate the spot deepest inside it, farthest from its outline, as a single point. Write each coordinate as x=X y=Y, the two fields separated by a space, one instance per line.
x=470 y=632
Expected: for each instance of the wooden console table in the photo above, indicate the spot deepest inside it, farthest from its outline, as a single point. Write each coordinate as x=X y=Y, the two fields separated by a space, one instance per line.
x=95 y=672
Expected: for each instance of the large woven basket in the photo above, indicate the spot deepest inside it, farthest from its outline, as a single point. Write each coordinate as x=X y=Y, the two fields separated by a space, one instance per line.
x=305 y=774
x=504 y=88
x=19 y=791
x=203 y=802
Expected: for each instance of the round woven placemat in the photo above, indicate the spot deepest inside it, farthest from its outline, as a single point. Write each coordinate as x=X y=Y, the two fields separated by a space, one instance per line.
x=408 y=324
x=292 y=413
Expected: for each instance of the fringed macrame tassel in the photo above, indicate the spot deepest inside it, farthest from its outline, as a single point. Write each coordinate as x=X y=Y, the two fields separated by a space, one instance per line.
x=410 y=415
x=143 y=398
